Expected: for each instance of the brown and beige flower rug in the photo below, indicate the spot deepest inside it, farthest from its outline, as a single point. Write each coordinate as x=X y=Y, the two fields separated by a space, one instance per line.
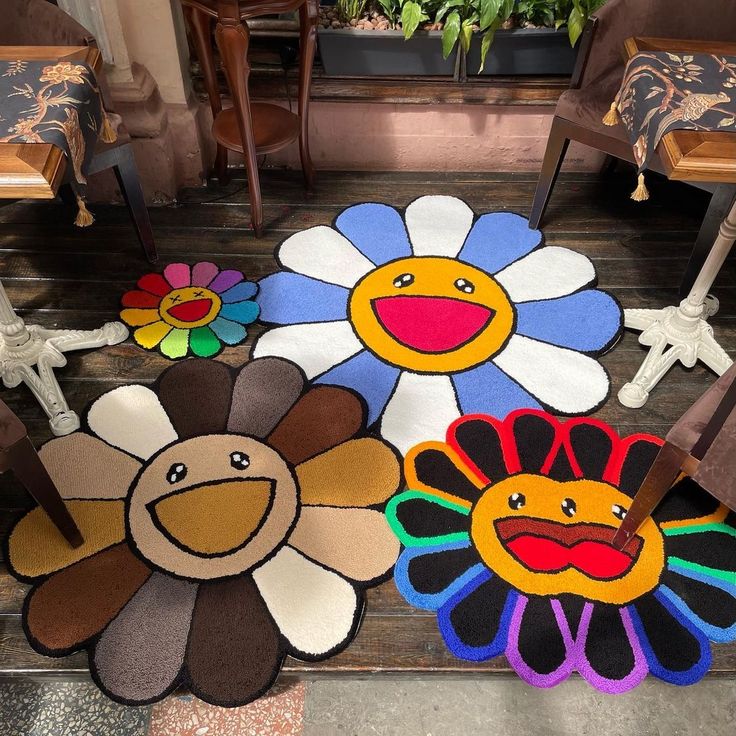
x=230 y=517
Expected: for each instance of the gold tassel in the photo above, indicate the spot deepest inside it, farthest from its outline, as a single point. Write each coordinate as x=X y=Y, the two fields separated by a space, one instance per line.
x=107 y=134
x=641 y=193
x=611 y=117
x=84 y=217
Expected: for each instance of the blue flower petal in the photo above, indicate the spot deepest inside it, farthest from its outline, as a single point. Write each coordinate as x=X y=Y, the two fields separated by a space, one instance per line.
x=243 y=312
x=373 y=379
x=498 y=239
x=486 y=389
x=289 y=298
x=376 y=230
x=500 y=620
x=587 y=321
x=231 y=333
x=676 y=677
x=240 y=292
x=432 y=601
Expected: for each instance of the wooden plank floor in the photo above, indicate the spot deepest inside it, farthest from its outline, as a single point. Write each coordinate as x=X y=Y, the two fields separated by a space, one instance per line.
x=58 y=275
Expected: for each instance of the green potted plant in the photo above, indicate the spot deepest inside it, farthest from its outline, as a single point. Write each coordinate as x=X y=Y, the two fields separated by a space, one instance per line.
x=444 y=37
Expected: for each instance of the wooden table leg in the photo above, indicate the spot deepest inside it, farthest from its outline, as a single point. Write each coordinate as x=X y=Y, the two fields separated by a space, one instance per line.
x=308 y=19
x=233 y=38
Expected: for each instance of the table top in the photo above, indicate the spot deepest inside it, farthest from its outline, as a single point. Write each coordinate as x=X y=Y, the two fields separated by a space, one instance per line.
x=692 y=155
x=36 y=170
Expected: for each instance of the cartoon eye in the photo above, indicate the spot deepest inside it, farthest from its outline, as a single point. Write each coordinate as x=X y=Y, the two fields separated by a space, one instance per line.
x=467 y=287
x=618 y=511
x=517 y=501
x=239 y=460
x=569 y=507
x=177 y=472
x=401 y=282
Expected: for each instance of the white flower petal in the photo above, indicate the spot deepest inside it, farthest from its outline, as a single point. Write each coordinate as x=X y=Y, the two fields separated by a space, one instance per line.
x=324 y=254
x=546 y=273
x=565 y=380
x=316 y=346
x=438 y=225
x=132 y=419
x=313 y=607
x=421 y=409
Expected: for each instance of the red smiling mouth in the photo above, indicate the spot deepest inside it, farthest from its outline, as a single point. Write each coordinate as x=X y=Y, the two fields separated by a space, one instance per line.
x=548 y=546
x=191 y=311
x=431 y=324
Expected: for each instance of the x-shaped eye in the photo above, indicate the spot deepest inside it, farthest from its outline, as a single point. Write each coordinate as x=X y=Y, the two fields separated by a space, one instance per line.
x=175 y=298
x=198 y=293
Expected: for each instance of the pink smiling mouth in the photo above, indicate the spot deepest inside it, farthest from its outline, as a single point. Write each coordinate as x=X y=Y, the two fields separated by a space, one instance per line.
x=431 y=324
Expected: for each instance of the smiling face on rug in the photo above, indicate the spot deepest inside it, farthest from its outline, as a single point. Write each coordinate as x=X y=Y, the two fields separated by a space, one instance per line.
x=230 y=518
x=507 y=529
x=213 y=506
x=190 y=307
x=431 y=315
x=551 y=538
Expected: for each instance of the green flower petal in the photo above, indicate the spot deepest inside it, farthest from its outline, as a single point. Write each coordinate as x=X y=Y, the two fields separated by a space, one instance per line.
x=175 y=344
x=204 y=342
x=410 y=540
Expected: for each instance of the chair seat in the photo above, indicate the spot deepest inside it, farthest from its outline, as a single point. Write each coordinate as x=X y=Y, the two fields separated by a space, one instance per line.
x=586 y=107
x=248 y=8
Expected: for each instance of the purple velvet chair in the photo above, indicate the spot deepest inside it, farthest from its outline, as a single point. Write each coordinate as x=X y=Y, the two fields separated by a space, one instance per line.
x=596 y=80
x=702 y=445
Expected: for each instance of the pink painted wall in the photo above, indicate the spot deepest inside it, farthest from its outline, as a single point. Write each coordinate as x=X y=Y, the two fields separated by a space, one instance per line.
x=365 y=136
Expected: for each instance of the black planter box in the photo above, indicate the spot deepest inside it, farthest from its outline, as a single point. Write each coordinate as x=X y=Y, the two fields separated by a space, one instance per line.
x=535 y=51
x=348 y=52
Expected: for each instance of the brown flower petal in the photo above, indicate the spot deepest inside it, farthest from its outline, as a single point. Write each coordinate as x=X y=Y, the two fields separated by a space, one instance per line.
x=196 y=395
x=234 y=651
x=77 y=603
x=323 y=418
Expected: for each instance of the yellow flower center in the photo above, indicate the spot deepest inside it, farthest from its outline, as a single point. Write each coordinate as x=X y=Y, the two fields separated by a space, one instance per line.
x=431 y=314
x=190 y=307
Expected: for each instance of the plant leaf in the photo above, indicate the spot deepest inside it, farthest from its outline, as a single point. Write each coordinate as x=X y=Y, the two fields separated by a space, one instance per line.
x=450 y=33
x=411 y=15
x=488 y=12
x=445 y=7
x=575 y=24
x=485 y=44
x=466 y=35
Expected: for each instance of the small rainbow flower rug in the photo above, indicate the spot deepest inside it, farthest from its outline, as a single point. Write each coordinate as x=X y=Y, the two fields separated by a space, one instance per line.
x=506 y=529
x=230 y=518
x=190 y=310
x=432 y=312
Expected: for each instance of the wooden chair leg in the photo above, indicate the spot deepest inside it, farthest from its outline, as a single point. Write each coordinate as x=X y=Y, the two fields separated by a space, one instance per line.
x=720 y=205
x=126 y=173
x=30 y=471
x=308 y=18
x=200 y=26
x=233 y=38
x=557 y=145
x=659 y=480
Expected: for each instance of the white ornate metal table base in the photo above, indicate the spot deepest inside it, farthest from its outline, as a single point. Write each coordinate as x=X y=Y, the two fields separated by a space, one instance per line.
x=29 y=354
x=681 y=333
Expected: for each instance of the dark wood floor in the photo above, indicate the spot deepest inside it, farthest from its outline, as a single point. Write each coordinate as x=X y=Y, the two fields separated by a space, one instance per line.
x=60 y=276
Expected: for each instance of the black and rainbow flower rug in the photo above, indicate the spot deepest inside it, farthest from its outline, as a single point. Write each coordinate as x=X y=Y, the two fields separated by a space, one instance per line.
x=507 y=528
x=230 y=517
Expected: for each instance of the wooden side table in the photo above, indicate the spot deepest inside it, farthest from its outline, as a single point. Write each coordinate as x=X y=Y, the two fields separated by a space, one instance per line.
x=682 y=333
x=252 y=128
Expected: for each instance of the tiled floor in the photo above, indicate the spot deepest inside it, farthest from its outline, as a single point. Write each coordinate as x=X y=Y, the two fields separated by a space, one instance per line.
x=383 y=707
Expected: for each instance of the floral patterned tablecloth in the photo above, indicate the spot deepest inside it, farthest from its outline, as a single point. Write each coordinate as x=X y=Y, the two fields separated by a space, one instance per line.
x=57 y=103
x=662 y=92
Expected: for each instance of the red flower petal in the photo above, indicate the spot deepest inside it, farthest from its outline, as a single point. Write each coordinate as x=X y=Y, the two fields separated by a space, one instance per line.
x=140 y=300
x=155 y=283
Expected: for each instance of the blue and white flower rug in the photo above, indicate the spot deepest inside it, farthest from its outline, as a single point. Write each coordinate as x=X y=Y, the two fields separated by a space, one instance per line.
x=435 y=313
